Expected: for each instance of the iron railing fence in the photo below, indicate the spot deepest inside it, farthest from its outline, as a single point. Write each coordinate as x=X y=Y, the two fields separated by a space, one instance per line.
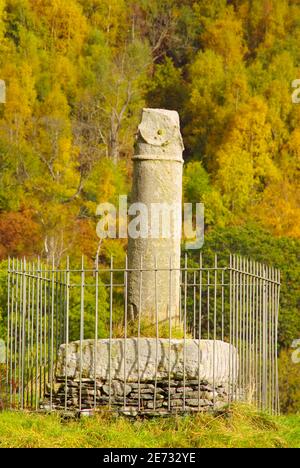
x=50 y=309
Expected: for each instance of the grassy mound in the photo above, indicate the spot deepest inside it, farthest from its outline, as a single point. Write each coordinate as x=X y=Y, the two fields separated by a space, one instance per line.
x=242 y=426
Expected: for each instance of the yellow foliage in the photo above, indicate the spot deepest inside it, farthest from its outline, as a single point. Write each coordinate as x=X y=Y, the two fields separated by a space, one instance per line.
x=279 y=209
x=65 y=20
x=245 y=157
x=110 y=16
x=2 y=16
x=225 y=37
x=20 y=96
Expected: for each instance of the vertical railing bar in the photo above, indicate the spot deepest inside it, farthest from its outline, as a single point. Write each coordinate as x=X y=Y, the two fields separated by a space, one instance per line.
x=222 y=307
x=242 y=324
x=180 y=296
x=61 y=319
x=250 y=282
x=184 y=328
x=13 y=334
x=261 y=335
x=41 y=331
x=233 y=367
x=11 y=357
x=125 y=325
x=42 y=306
x=96 y=328
x=200 y=295
x=62 y=305
x=110 y=327
x=47 y=331
x=139 y=331
x=82 y=288
x=57 y=300
x=236 y=328
x=272 y=341
x=208 y=304
x=253 y=375
x=255 y=326
x=243 y=327
x=247 y=376
x=264 y=340
x=170 y=331
x=230 y=349
x=254 y=296
x=47 y=322
x=215 y=331
x=8 y=326
x=278 y=279
x=52 y=334
x=270 y=337
x=156 y=333
x=239 y=362
x=269 y=343
x=194 y=306
x=28 y=340
x=67 y=329
x=275 y=346
x=32 y=334
x=37 y=335
x=258 y=325
x=256 y=334
x=16 y=334
x=273 y=313
x=20 y=321
x=200 y=331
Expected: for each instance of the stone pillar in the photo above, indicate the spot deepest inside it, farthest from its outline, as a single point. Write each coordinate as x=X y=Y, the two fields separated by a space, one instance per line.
x=157 y=183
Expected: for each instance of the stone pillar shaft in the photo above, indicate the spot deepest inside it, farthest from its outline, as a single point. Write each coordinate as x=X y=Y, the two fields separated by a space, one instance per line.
x=157 y=183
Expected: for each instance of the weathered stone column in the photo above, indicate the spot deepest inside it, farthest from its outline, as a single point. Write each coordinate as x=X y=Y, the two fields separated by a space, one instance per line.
x=157 y=183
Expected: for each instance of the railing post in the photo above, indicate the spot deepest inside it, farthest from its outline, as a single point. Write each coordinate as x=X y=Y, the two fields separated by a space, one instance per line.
x=8 y=328
x=67 y=328
x=264 y=341
x=96 y=328
x=24 y=297
x=278 y=279
x=82 y=289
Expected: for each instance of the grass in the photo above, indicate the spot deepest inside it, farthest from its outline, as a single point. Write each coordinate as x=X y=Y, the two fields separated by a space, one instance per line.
x=241 y=427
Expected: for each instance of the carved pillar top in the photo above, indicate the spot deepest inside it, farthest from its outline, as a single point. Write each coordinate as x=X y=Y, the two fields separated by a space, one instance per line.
x=159 y=136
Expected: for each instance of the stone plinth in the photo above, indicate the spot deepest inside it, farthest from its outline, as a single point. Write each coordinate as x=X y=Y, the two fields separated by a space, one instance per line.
x=145 y=360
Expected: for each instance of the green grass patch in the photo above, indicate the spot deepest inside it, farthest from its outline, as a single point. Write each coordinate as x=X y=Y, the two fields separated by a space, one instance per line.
x=242 y=426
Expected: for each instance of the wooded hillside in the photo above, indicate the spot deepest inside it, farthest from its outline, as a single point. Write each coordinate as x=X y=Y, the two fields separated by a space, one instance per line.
x=78 y=73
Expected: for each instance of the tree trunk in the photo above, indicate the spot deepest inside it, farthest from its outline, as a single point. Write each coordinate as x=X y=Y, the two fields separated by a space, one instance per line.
x=114 y=141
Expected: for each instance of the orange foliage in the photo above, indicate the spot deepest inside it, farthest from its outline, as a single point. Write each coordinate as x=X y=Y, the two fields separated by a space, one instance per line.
x=19 y=234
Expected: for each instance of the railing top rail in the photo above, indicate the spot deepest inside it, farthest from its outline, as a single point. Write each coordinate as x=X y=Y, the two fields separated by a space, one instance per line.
x=236 y=264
